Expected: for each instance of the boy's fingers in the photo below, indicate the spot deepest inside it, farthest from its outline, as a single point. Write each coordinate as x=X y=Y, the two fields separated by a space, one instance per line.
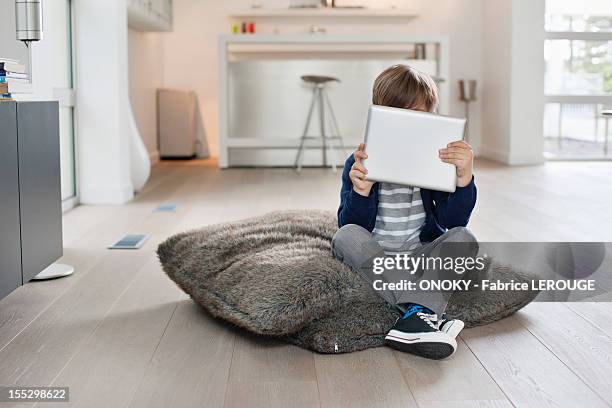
x=359 y=155
x=357 y=174
x=455 y=162
x=454 y=150
x=452 y=156
x=360 y=167
x=460 y=144
x=363 y=184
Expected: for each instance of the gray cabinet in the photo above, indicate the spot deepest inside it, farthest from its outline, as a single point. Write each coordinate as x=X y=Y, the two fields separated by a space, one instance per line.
x=10 y=238
x=31 y=213
x=39 y=186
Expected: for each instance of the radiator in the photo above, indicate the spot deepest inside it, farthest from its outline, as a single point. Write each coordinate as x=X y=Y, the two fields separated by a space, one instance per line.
x=177 y=127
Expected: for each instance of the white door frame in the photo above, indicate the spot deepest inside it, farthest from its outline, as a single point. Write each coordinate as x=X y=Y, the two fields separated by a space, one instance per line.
x=67 y=99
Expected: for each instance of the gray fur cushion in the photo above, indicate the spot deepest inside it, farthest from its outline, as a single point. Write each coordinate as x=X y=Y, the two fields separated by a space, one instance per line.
x=275 y=275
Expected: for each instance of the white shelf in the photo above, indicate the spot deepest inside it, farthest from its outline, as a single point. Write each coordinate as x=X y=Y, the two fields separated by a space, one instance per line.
x=277 y=143
x=20 y=89
x=324 y=12
x=226 y=39
x=320 y=48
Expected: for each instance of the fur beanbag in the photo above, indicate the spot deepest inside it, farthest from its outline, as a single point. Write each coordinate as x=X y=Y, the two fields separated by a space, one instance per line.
x=275 y=275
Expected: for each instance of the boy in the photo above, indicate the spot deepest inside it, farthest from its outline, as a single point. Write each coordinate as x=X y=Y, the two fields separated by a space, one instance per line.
x=382 y=219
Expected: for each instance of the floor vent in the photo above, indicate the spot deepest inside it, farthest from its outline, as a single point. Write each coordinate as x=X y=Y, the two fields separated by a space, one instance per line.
x=134 y=241
x=166 y=208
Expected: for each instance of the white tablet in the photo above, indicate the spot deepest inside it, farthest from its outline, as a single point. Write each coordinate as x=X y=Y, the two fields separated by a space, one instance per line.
x=403 y=148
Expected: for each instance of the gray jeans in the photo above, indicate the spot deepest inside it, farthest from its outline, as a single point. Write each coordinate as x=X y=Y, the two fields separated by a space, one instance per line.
x=355 y=246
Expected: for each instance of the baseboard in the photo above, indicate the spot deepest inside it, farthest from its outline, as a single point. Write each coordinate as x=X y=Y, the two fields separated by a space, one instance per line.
x=284 y=157
x=493 y=154
x=154 y=157
x=106 y=195
x=69 y=204
x=537 y=160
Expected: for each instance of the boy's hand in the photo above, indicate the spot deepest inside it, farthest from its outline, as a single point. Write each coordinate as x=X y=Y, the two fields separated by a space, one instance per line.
x=358 y=173
x=461 y=155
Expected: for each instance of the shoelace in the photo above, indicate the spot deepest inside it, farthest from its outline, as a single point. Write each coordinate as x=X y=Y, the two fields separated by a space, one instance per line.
x=430 y=319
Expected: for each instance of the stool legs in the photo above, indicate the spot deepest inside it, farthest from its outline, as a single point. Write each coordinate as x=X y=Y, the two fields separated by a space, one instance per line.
x=322 y=126
x=319 y=95
x=607 y=131
x=300 y=154
x=559 y=141
x=336 y=128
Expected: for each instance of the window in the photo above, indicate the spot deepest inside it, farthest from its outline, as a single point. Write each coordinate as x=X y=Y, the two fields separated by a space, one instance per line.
x=578 y=16
x=578 y=54
x=577 y=67
x=59 y=38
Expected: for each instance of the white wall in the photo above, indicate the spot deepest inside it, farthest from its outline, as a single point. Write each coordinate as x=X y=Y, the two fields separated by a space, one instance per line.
x=497 y=64
x=190 y=51
x=528 y=70
x=145 y=77
x=513 y=73
x=103 y=113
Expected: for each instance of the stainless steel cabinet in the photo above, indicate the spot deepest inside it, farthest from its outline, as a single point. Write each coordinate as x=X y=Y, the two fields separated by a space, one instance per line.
x=31 y=213
x=10 y=237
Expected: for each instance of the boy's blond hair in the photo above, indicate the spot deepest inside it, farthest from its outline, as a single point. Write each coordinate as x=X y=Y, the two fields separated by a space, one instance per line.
x=401 y=86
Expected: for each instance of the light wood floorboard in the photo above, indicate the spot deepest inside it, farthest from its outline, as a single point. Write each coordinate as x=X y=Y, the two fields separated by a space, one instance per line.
x=120 y=334
x=583 y=347
x=449 y=381
x=598 y=314
x=87 y=232
x=267 y=373
x=190 y=366
x=525 y=369
x=370 y=378
x=110 y=364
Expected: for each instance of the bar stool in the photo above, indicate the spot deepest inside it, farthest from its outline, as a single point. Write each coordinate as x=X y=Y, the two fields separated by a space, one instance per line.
x=320 y=97
x=607 y=114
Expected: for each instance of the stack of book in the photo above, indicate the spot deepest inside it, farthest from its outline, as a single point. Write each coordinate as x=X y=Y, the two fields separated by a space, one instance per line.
x=13 y=78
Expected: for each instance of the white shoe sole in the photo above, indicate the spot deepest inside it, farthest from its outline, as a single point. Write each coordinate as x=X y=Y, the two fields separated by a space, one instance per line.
x=433 y=345
x=453 y=328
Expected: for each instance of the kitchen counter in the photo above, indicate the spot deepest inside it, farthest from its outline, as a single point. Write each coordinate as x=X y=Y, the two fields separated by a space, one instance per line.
x=263 y=102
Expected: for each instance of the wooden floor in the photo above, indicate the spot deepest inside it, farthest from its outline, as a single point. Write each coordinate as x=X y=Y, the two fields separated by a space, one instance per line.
x=120 y=334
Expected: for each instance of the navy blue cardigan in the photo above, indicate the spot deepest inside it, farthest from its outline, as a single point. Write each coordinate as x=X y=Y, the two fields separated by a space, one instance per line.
x=443 y=211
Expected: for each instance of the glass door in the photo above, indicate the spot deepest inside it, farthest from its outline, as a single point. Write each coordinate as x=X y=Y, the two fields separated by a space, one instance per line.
x=578 y=53
x=59 y=34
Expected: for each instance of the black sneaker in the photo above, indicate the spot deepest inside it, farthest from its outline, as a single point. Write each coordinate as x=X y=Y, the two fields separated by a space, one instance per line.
x=417 y=333
x=450 y=326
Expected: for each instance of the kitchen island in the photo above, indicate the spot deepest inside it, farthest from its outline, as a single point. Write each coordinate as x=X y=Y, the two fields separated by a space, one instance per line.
x=264 y=103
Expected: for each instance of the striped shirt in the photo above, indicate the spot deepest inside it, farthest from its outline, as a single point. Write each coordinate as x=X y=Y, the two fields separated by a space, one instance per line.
x=400 y=218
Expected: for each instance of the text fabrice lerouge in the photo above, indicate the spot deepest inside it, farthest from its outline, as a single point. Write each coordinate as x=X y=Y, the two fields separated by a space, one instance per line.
x=464 y=285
